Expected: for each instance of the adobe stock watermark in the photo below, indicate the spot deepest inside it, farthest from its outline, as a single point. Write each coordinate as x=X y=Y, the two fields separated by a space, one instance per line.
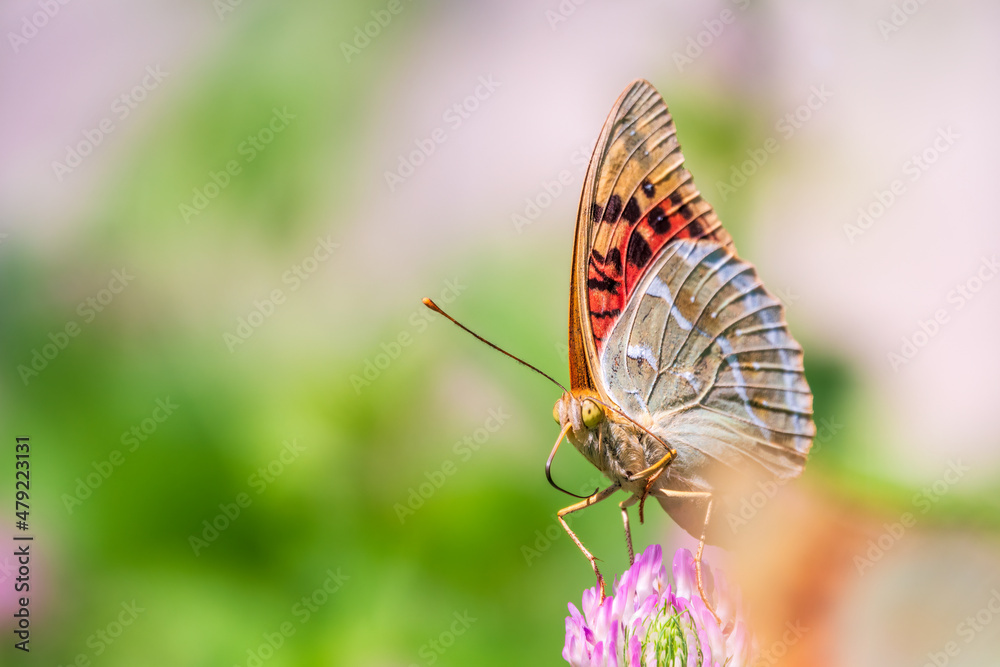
x=302 y=611
x=786 y=126
x=294 y=277
x=121 y=108
x=258 y=482
x=914 y=167
x=751 y=505
x=370 y=30
x=454 y=117
x=786 y=295
x=957 y=298
x=431 y=651
x=967 y=630
x=899 y=16
x=703 y=39
x=104 y=637
x=779 y=648
x=561 y=12
x=544 y=539
x=464 y=449
x=248 y=149
x=550 y=190
x=392 y=349
x=32 y=23
x=923 y=501
x=131 y=440
x=59 y=340
x=225 y=7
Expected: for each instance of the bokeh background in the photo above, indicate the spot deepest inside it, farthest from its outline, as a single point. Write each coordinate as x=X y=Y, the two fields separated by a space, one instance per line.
x=217 y=220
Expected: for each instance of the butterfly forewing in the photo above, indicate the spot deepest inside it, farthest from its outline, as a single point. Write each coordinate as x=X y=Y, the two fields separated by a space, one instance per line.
x=637 y=198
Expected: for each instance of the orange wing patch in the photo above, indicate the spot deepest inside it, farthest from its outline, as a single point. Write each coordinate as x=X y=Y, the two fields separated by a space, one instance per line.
x=637 y=199
x=634 y=242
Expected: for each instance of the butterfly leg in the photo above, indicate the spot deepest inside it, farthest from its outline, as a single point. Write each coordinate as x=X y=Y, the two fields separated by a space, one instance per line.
x=701 y=542
x=697 y=559
x=624 y=505
x=654 y=471
x=587 y=502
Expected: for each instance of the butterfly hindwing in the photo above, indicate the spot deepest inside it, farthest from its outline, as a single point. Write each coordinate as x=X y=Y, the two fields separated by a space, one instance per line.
x=702 y=340
x=703 y=352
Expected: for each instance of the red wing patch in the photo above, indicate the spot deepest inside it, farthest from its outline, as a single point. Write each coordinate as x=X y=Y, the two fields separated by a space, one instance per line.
x=641 y=199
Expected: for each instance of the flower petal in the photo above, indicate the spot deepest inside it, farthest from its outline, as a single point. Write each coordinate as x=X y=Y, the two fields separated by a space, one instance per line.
x=647 y=610
x=634 y=652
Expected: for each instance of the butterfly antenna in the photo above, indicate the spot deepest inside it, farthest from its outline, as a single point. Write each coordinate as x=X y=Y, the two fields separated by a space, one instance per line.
x=437 y=309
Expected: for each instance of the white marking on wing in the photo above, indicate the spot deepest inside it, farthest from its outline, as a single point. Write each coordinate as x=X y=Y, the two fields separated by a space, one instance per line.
x=690 y=377
x=734 y=366
x=659 y=289
x=643 y=353
x=638 y=396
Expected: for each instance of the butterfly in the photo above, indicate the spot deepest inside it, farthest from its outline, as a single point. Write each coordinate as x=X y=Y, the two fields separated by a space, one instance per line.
x=685 y=382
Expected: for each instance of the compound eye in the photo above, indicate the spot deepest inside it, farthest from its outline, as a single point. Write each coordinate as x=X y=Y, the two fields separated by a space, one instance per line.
x=555 y=412
x=592 y=413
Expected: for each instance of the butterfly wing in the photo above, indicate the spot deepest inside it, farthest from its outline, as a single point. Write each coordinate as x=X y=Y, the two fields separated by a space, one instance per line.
x=673 y=327
x=637 y=197
x=702 y=351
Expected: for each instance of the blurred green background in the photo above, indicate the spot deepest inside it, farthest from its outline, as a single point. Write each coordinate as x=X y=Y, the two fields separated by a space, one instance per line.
x=386 y=469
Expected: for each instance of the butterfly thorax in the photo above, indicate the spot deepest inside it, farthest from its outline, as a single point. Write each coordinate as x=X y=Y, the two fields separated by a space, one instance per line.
x=615 y=446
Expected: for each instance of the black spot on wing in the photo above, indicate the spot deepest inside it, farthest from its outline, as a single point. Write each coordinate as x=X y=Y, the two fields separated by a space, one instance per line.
x=610 y=312
x=648 y=189
x=609 y=285
x=639 y=251
x=595 y=212
x=659 y=221
x=631 y=212
x=597 y=264
x=613 y=209
x=615 y=259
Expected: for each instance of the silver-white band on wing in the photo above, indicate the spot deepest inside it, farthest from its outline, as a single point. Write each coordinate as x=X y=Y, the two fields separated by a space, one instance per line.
x=702 y=356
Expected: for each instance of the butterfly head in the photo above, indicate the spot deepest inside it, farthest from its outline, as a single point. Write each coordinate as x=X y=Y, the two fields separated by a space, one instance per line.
x=581 y=409
x=607 y=438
